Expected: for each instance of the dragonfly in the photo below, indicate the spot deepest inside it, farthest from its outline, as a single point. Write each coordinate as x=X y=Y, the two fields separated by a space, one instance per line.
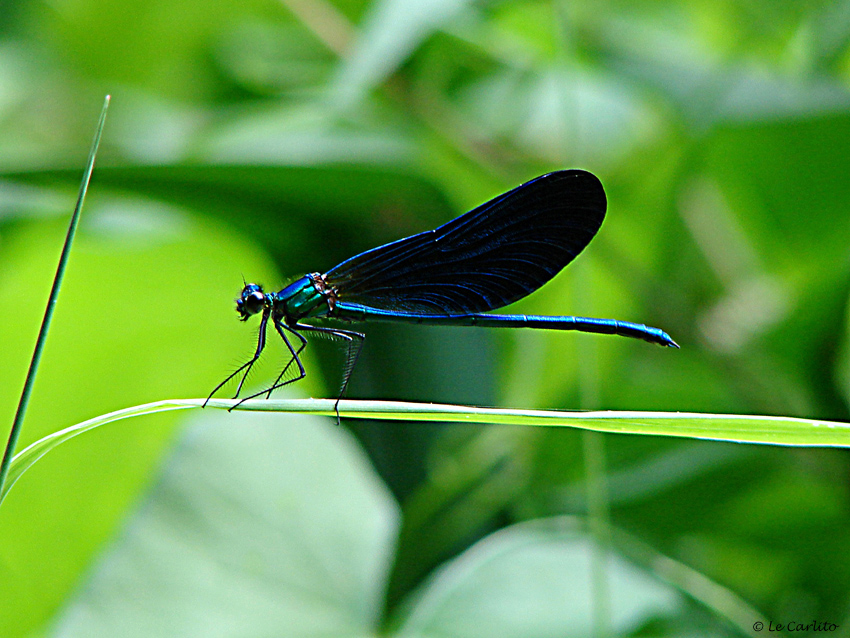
x=486 y=259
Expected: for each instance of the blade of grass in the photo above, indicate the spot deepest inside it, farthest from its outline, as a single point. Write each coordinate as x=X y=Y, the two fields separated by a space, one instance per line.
x=27 y=457
x=734 y=428
x=51 y=303
x=772 y=430
x=722 y=600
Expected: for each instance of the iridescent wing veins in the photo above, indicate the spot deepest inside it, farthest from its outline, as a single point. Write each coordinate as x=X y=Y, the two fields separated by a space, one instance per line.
x=487 y=258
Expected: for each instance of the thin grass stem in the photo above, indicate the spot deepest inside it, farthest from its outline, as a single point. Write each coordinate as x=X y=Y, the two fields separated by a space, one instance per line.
x=51 y=303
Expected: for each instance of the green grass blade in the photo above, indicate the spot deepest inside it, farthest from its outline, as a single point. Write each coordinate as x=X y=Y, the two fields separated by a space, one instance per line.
x=51 y=303
x=772 y=430
x=737 y=428
x=723 y=601
x=27 y=457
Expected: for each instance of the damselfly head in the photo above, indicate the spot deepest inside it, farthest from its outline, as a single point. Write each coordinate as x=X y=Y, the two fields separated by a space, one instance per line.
x=251 y=301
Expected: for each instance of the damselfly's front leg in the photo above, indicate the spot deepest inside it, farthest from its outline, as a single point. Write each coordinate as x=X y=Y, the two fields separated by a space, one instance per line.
x=261 y=343
x=294 y=358
x=280 y=327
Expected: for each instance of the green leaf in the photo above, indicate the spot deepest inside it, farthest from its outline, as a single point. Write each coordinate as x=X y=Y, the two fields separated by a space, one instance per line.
x=532 y=580
x=139 y=314
x=259 y=526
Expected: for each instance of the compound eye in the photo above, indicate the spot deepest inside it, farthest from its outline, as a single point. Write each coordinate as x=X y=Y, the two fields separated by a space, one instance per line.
x=254 y=302
x=250 y=303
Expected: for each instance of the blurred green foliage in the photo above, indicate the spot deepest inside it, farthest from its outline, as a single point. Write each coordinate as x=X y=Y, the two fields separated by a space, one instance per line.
x=265 y=140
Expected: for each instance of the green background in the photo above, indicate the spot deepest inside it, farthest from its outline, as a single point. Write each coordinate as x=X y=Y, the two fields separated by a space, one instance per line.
x=267 y=139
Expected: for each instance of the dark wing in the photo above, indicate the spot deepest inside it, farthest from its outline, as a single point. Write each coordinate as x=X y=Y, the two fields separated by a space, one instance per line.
x=485 y=259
